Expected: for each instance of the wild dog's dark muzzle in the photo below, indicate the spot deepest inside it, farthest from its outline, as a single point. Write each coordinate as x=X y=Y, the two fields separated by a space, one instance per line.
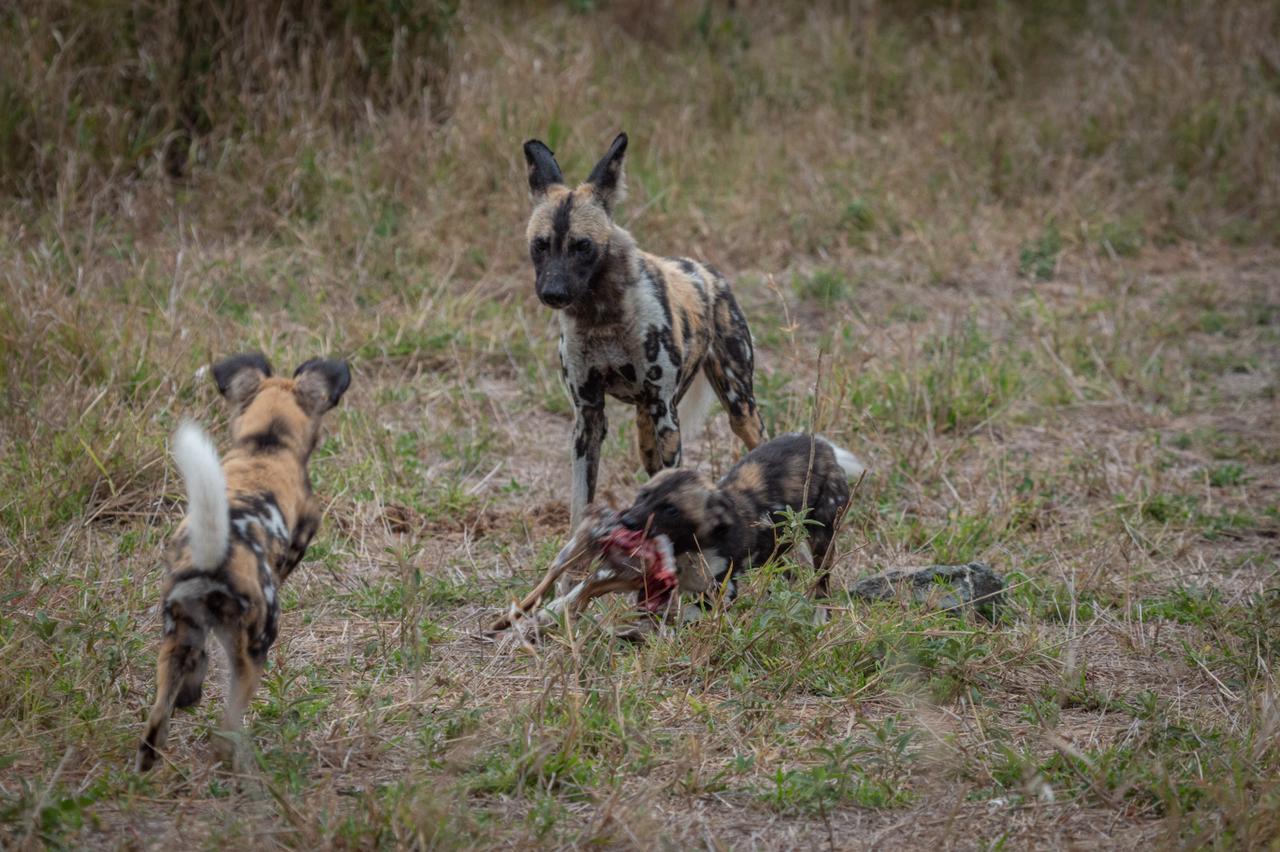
x=555 y=295
x=557 y=285
x=562 y=281
x=634 y=519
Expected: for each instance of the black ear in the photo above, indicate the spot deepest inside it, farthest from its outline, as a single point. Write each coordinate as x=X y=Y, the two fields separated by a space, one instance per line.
x=238 y=377
x=321 y=384
x=544 y=171
x=606 y=178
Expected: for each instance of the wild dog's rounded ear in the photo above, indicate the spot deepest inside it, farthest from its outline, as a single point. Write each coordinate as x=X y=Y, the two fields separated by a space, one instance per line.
x=321 y=384
x=544 y=171
x=718 y=514
x=238 y=377
x=606 y=178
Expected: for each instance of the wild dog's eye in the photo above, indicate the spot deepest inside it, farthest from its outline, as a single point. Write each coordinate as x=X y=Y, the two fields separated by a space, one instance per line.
x=540 y=245
x=582 y=246
x=670 y=512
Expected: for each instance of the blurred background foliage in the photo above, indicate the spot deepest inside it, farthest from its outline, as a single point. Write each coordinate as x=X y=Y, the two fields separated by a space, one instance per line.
x=1169 y=111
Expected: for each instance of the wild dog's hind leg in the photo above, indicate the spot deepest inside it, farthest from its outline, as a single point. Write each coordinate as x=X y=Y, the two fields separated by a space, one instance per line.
x=193 y=678
x=820 y=546
x=731 y=367
x=246 y=672
x=829 y=505
x=180 y=670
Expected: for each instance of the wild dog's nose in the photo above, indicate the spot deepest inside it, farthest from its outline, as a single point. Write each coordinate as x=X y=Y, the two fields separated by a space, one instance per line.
x=633 y=519
x=554 y=298
x=553 y=290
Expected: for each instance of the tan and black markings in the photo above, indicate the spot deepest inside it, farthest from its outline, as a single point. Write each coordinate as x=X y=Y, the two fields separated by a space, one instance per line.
x=718 y=529
x=250 y=518
x=635 y=326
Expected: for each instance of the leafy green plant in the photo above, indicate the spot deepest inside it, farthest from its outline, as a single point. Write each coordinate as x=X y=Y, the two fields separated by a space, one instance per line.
x=838 y=778
x=1227 y=474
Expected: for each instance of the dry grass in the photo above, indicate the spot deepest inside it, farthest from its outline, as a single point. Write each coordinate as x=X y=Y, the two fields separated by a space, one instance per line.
x=1029 y=253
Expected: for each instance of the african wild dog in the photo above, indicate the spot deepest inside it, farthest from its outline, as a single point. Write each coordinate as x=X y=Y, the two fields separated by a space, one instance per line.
x=635 y=326
x=720 y=529
x=686 y=534
x=249 y=521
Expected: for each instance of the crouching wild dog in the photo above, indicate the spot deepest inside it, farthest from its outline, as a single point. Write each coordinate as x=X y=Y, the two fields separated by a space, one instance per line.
x=719 y=529
x=249 y=521
x=650 y=331
x=687 y=534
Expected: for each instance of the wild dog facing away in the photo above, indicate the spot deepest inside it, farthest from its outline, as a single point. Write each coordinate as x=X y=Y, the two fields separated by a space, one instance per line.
x=250 y=518
x=659 y=333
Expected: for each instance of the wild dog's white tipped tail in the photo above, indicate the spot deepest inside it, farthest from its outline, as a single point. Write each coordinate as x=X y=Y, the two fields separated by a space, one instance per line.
x=694 y=407
x=849 y=463
x=208 y=514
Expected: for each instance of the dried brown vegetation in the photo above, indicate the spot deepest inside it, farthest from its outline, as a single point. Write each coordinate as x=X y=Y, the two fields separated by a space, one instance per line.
x=1022 y=258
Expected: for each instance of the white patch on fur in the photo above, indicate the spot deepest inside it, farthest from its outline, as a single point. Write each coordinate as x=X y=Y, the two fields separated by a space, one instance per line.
x=275 y=523
x=666 y=553
x=849 y=463
x=208 y=515
x=194 y=588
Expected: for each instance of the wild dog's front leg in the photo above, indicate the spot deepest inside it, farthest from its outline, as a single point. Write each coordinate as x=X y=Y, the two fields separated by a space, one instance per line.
x=658 y=424
x=589 y=429
x=658 y=427
x=660 y=445
x=304 y=531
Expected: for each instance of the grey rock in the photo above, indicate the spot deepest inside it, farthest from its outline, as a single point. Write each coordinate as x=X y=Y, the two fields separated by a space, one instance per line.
x=945 y=587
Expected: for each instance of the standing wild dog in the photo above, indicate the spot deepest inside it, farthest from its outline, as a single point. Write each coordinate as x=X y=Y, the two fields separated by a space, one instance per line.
x=635 y=326
x=249 y=521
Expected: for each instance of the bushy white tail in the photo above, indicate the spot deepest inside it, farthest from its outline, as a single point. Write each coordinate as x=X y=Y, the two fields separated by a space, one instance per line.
x=849 y=463
x=694 y=407
x=208 y=515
